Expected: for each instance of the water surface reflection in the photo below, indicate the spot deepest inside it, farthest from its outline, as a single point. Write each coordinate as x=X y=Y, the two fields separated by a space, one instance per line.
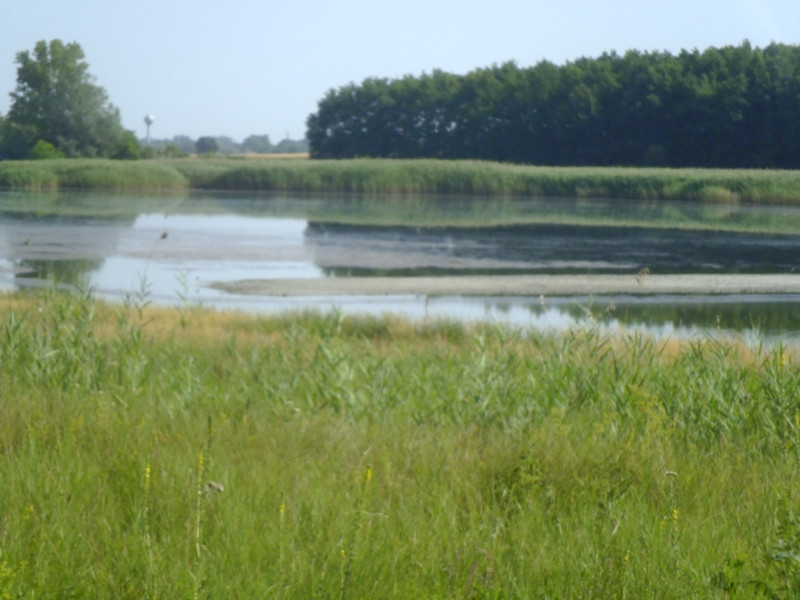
x=170 y=250
x=343 y=250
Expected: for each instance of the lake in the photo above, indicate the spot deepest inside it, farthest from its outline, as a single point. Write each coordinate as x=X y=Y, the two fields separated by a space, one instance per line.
x=172 y=250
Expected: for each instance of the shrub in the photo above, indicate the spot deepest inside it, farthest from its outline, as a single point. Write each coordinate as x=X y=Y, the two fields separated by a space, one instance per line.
x=172 y=151
x=207 y=145
x=44 y=150
x=129 y=148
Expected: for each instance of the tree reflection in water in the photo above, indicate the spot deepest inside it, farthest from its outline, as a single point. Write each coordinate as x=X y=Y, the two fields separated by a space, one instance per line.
x=75 y=272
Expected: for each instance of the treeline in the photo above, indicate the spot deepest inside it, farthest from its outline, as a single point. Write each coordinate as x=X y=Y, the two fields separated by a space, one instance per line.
x=58 y=111
x=735 y=106
x=180 y=145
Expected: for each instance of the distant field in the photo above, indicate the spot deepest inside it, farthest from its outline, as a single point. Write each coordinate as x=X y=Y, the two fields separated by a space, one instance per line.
x=403 y=177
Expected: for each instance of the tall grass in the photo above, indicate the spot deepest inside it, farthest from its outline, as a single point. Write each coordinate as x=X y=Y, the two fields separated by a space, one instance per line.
x=494 y=179
x=184 y=453
x=94 y=174
x=407 y=177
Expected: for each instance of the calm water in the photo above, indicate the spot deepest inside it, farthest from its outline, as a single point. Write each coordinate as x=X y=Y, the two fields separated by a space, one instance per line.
x=170 y=251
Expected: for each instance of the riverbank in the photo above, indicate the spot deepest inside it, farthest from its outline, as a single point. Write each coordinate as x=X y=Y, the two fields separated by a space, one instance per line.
x=403 y=177
x=519 y=285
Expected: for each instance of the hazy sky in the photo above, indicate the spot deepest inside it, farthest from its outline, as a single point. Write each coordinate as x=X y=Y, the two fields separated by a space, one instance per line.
x=241 y=67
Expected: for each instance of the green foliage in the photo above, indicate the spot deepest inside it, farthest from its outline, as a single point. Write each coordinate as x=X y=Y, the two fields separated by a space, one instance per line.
x=287 y=146
x=258 y=144
x=184 y=143
x=172 y=151
x=492 y=179
x=225 y=144
x=180 y=453
x=252 y=144
x=128 y=148
x=89 y=174
x=44 y=150
x=16 y=140
x=56 y=100
x=206 y=145
x=28 y=175
x=728 y=107
x=415 y=178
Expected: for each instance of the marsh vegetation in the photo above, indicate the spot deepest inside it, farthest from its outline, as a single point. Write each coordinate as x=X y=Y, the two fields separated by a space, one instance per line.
x=186 y=453
x=405 y=177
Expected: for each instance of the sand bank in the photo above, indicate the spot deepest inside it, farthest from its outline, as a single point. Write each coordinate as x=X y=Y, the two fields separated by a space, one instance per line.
x=519 y=285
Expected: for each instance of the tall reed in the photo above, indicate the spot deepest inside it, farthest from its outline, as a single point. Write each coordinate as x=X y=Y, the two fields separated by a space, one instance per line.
x=316 y=455
x=89 y=174
x=406 y=177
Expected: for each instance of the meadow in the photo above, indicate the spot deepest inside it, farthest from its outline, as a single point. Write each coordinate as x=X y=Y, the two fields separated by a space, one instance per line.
x=185 y=453
x=403 y=177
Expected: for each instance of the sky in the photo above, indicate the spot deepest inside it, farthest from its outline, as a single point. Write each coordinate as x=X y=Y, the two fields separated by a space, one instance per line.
x=242 y=67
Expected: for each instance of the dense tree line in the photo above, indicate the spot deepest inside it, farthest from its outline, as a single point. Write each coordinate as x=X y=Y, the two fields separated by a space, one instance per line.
x=253 y=144
x=735 y=106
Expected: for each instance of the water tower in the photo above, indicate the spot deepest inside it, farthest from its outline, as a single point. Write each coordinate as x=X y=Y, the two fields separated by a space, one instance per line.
x=148 y=120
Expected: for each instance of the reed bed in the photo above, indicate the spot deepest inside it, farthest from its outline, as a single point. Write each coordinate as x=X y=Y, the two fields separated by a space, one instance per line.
x=89 y=174
x=406 y=177
x=186 y=453
x=375 y=176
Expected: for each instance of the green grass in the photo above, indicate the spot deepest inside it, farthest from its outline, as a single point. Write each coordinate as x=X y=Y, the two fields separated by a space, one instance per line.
x=493 y=179
x=374 y=457
x=404 y=177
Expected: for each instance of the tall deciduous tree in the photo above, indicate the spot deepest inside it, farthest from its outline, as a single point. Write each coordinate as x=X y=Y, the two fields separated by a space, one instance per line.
x=57 y=100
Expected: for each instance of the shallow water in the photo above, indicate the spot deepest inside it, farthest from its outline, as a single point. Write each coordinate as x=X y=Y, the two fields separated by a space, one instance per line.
x=533 y=248
x=170 y=251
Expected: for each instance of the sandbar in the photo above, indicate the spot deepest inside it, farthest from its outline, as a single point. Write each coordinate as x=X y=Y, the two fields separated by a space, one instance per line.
x=519 y=285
